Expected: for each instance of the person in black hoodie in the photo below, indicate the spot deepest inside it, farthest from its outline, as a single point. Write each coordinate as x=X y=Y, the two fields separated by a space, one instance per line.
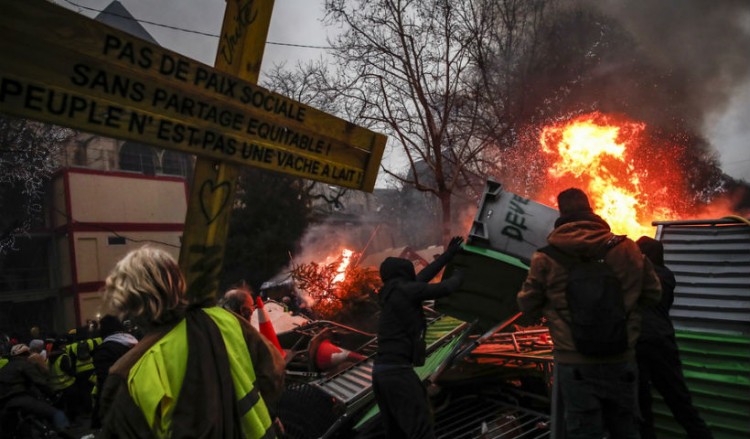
x=115 y=343
x=658 y=357
x=400 y=393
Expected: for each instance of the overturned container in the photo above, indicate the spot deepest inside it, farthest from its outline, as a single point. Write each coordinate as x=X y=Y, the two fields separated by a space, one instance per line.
x=510 y=224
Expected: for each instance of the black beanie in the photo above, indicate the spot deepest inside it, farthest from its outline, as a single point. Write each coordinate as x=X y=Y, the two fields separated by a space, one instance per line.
x=571 y=201
x=109 y=325
x=653 y=249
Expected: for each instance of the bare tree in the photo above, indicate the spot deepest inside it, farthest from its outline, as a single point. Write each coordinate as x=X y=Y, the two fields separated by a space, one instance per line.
x=440 y=77
x=28 y=157
x=506 y=38
x=309 y=83
x=404 y=69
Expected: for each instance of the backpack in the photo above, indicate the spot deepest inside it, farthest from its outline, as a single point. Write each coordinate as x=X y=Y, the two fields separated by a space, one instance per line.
x=598 y=320
x=83 y=351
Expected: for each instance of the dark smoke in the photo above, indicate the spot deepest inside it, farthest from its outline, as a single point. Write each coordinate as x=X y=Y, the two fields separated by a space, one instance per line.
x=700 y=47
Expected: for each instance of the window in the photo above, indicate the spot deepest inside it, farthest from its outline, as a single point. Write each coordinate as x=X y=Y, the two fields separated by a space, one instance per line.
x=138 y=157
x=115 y=240
x=175 y=163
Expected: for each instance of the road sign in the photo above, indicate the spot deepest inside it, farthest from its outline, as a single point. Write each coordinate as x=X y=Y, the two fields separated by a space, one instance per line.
x=63 y=68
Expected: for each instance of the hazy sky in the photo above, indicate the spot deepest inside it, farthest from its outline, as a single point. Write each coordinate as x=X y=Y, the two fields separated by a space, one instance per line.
x=299 y=22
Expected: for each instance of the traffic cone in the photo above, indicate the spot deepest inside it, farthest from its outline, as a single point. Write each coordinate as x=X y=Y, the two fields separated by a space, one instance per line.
x=329 y=355
x=266 y=327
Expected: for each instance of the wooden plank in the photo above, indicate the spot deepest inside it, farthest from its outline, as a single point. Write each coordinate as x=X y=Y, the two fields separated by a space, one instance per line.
x=146 y=93
x=243 y=37
x=25 y=98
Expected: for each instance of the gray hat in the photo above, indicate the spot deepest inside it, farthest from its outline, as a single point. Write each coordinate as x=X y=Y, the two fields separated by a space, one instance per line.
x=36 y=345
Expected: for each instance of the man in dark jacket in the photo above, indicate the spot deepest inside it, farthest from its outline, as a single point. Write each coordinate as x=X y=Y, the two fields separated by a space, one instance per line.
x=598 y=392
x=22 y=385
x=659 y=359
x=399 y=392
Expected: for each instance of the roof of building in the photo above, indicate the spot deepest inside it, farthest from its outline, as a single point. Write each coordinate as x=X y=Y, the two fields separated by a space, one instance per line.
x=117 y=16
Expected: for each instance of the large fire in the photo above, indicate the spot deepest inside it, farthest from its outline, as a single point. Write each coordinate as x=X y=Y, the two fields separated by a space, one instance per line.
x=628 y=181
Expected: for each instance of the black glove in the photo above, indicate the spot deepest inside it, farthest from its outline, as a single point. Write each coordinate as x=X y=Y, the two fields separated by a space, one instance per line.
x=455 y=245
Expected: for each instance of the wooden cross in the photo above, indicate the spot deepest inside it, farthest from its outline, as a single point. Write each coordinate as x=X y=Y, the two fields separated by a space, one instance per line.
x=63 y=68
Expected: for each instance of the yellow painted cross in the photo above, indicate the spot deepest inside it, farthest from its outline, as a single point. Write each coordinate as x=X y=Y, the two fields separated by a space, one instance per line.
x=240 y=53
x=63 y=68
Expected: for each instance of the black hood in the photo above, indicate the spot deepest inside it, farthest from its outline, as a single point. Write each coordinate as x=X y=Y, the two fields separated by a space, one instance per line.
x=397 y=268
x=653 y=249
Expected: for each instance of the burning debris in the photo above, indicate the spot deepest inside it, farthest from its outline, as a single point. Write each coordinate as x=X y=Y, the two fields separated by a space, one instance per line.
x=631 y=173
x=660 y=88
x=599 y=153
x=338 y=288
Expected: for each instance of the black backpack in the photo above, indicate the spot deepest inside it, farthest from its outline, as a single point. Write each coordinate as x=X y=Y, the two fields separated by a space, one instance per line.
x=598 y=320
x=83 y=351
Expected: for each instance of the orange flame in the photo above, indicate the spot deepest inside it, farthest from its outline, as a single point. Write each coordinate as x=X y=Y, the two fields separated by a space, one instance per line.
x=346 y=259
x=597 y=153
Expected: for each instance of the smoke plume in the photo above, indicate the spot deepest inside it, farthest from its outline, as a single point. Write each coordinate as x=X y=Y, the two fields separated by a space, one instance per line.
x=699 y=47
x=673 y=64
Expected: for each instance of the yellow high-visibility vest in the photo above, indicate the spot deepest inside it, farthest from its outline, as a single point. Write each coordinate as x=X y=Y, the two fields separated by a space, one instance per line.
x=86 y=364
x=58 y=379
x=155 y=380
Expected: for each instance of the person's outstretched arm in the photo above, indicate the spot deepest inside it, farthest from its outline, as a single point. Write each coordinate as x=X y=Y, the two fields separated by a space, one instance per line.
x=441 y=289
x=430 y=271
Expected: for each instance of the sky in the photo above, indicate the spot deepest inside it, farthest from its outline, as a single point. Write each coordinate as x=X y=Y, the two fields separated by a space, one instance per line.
x=292 y=22
x=299 y=22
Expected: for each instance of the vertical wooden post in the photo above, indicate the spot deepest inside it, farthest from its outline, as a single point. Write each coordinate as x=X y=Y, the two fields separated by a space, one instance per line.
x=243 y=39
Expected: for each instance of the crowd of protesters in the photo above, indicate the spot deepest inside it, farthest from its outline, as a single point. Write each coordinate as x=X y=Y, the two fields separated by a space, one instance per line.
x=57 y=377
x=160 y=366
x=179 y=369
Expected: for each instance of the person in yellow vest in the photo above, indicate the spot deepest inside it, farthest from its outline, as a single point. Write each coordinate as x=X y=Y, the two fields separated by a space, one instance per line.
x=5 y=345
x=62 y=376
x=199 y=372
x=4 y=352
x=80 y=353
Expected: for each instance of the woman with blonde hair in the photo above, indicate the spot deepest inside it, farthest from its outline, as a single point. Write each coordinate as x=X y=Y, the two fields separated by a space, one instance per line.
x=198 y=372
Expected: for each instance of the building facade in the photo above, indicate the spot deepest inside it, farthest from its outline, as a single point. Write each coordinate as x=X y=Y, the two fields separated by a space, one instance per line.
x=107 y=198
x=98 y=207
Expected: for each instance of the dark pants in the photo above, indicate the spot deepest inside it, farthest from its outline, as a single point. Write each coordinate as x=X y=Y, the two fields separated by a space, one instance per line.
x=82 y=388
x=659 y=366
x=28 y=404
x=402 y=399
x=67 y=401
x=599 y=398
